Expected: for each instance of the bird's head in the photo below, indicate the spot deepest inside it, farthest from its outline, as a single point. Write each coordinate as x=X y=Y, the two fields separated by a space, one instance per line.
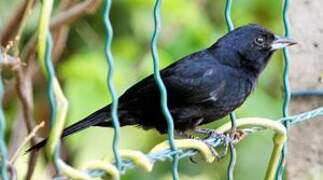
x=250 y=47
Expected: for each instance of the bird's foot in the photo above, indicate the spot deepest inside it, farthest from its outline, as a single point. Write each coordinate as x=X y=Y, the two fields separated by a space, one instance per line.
x=225 y=141
x=234 y=137
x=215 y=153
x=212 y=134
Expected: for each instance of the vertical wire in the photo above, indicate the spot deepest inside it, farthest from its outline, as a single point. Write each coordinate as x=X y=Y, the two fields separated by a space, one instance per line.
x=230 y=26
x=286 y=60
x=287 y=93
x=45 y=45
x=59 y=106
x=233 y=154
x=51 y=74
x=3 y=147
x=227 y=14
x=162 y=89
x=50 y=92
x=110 y=61
x=232 y=163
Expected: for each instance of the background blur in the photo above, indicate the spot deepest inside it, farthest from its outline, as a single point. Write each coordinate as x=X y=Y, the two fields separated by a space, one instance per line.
x=187 y=26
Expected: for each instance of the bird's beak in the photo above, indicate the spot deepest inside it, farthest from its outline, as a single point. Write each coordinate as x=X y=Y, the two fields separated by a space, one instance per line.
x=281 y=42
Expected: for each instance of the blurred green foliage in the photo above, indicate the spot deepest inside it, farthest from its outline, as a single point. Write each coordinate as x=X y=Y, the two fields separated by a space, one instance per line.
x=187 y=26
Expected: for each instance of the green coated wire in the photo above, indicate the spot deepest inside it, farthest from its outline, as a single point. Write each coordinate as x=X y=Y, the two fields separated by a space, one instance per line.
x=287 y=93
x=45 y=45
x=162 y=89
x=286 y=61
x=232 y=163
x=307 y=93
x=110 y=61
x=3 y=147
x=51 y=75
x=294 y=120
x=233 y=154
x=49 y=67
x=228 y=20
x=227 y=14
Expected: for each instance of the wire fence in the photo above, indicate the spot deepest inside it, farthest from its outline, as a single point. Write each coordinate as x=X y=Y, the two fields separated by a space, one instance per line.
x=170 y=150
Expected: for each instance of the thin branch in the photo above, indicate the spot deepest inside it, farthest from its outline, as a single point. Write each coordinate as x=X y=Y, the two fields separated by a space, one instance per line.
x=24 y=91
x=60 y=35
x=25 y=95
x=60 y=39
x=26 y=14
x=9 y=61
x=74 y=13
x=15 y=22
x=64 y=18
x=25 y=141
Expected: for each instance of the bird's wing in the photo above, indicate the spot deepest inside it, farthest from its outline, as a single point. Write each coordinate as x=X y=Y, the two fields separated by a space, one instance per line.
x=193 y=79
x=145 y=87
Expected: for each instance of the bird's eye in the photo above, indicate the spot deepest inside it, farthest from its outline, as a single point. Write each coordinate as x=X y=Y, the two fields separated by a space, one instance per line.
x=260 y=40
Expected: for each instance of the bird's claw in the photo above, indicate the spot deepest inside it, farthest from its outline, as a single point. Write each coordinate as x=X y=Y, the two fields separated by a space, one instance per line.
x=234 y=137
x=213 y=134
x=213 y=151
x=210 y=133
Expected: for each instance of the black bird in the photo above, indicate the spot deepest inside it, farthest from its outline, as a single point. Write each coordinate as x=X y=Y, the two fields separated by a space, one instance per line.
x=202 y=87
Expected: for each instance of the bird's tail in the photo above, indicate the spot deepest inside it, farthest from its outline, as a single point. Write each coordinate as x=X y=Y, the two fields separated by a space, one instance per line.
x=96 y=118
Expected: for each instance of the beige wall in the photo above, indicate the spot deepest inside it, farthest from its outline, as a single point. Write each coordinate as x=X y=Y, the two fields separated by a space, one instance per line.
x=305 y=147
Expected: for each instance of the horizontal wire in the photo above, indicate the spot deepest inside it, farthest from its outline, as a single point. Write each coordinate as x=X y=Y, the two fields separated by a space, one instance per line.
x=307 y=93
